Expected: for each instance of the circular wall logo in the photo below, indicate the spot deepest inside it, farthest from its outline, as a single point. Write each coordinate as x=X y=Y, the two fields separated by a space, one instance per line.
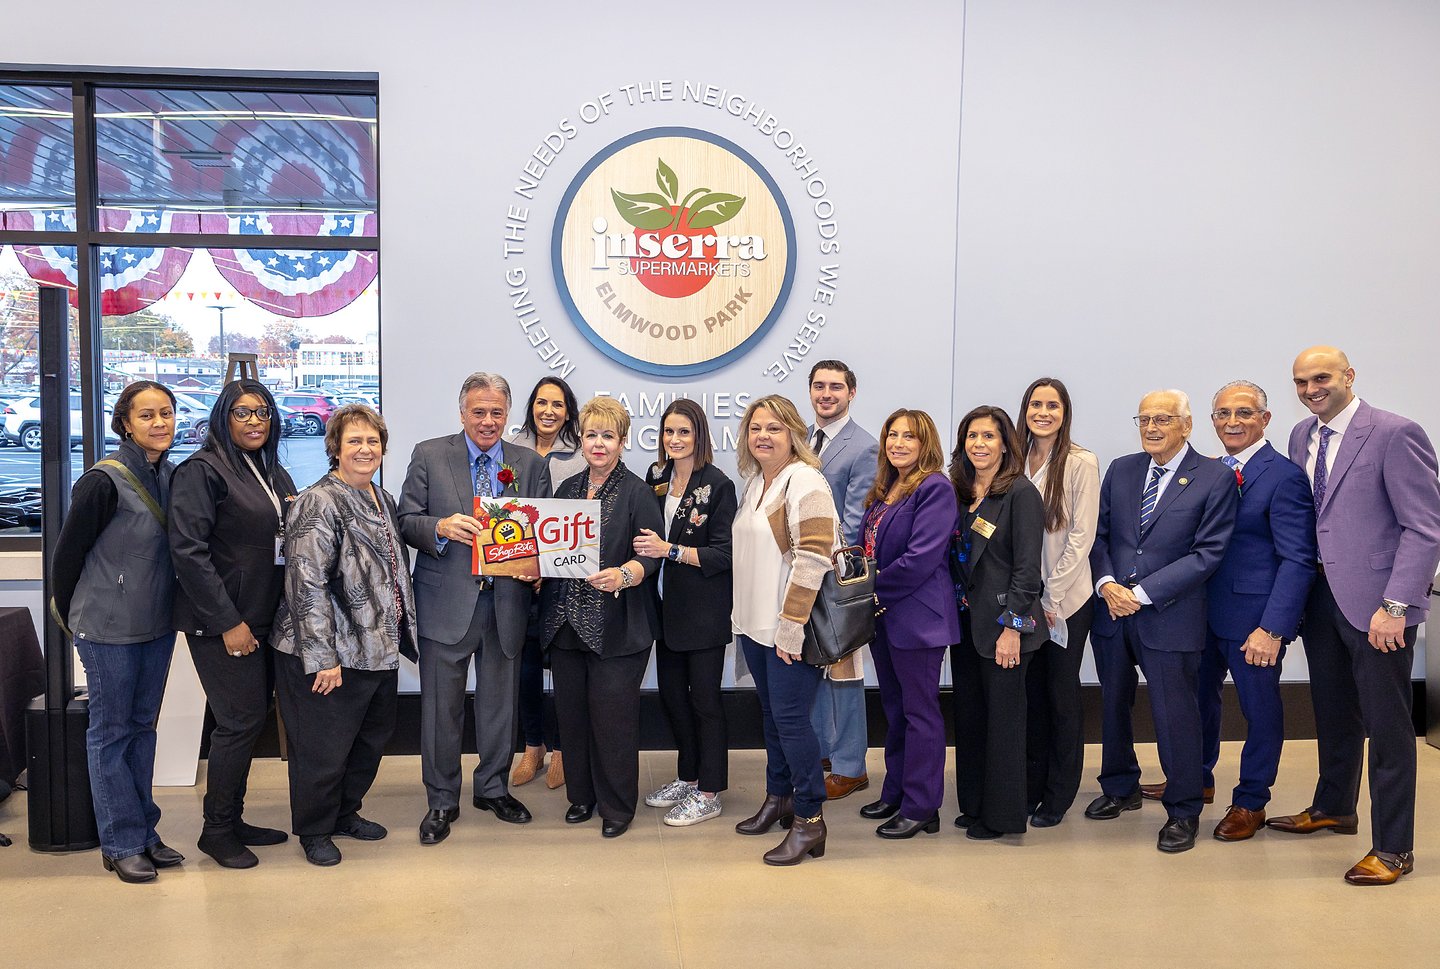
x=673 y=251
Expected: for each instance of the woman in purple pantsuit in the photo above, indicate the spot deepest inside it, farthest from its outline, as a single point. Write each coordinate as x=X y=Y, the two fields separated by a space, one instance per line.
x=909 y=520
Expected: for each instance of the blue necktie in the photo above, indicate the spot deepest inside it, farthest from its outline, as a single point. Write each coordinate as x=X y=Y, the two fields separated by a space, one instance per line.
x=482 y=477
x=1148 y=499
x=1231 y=462
x=1321 y=474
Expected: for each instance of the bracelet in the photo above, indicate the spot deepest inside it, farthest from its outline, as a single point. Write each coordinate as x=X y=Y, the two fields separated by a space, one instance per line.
x=627 y=578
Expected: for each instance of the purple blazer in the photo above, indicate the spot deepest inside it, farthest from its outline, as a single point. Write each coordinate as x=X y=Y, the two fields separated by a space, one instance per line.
x=1379 y=526
x=913 y=584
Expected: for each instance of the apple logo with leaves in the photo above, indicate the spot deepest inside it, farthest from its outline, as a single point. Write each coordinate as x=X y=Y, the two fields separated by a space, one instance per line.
x=653 y=213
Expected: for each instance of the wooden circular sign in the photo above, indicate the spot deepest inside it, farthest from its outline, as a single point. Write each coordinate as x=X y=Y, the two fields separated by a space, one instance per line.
x=673 y=251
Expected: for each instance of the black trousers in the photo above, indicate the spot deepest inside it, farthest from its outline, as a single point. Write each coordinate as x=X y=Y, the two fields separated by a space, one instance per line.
x=989 y=706
x=535 y=709
x=1357 y=691
x=335 y=740
x=238 y=690
x=1055 y=728
x=597 y=700
x=689 y=682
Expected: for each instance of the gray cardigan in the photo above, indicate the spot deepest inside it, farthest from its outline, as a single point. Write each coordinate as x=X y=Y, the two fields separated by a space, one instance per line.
x=341 y=581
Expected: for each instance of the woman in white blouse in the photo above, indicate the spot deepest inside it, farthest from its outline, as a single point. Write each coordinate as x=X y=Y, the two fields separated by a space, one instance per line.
x=1068 y=478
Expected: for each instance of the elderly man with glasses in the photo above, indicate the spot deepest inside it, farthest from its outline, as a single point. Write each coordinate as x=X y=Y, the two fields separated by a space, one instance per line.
x=1166 y=514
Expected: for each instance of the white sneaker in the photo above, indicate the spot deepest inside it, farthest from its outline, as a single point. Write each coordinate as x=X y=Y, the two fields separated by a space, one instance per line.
x=694 y=809
x=671 y=794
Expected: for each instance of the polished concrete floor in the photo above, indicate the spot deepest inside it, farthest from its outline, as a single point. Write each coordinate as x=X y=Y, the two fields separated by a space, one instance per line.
x=549 y=894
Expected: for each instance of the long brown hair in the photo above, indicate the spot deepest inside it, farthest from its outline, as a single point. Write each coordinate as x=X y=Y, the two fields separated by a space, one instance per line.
x=932 y=457
x=1012 y=464
x=1056 y=516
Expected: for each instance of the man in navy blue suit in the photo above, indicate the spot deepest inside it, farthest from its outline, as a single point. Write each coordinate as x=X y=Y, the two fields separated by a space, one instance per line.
x=1256 y=599
x=1166 y=515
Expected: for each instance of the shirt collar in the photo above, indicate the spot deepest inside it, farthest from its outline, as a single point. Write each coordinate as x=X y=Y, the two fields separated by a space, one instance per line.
x=832 y=429
x=1174 y=462
x=1340 y=423
x=495 y=452
x=1245 y=456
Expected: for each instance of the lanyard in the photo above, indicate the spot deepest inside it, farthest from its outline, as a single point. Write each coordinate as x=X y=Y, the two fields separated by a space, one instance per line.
x=269 y=492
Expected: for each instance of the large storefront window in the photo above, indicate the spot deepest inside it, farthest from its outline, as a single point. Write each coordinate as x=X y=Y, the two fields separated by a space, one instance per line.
x=274 y=191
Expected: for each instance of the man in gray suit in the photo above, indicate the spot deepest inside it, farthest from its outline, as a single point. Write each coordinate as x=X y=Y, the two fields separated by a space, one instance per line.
x=848 y=457
x=461 y=615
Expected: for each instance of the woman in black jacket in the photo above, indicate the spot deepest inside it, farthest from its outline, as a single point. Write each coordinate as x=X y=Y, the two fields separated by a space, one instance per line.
x=112 y=583
x=599 y=630
x=698 y=502
x=1002 y=624
x=227 y=514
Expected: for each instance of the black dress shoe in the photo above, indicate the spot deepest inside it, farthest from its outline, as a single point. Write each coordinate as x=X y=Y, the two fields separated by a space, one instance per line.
x=978 y=832
x=227 y=849
x=579 y=813
x=613 y=829
x=878 y=810
x=506 y=808
x=902 y=827
x=963 y=820
x=320 y=850
x=162 y=855
x=258 y=837
x=359 y=828
x=1107 y=808
x=436 y=826
x=134 y=869
x=1178 y=835
x=1044 y=819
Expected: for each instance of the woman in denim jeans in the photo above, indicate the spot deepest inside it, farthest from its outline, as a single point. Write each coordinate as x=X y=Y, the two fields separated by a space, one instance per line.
x=113 y=585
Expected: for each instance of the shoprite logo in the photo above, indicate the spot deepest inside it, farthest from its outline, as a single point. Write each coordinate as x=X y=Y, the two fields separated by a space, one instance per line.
x=682 y=279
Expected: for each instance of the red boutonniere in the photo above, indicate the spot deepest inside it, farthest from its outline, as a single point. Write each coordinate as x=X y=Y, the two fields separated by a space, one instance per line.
x=506 y=475
x=1239 y=479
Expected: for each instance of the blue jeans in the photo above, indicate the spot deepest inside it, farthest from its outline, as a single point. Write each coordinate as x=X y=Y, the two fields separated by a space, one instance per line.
x=787 y=694
x=839 y=721
x=126 y=684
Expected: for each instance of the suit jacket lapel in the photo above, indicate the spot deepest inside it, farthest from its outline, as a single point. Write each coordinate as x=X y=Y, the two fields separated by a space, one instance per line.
x=1182 y=475
x=1256 y=466
x=884 y=526
x=1350 y=443
x=460 y=468
x=676 y=525
x=513 y=488
x=986 y=511
x=837 y=444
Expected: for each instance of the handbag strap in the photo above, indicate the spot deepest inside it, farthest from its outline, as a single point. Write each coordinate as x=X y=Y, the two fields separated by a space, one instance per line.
x=147 y=499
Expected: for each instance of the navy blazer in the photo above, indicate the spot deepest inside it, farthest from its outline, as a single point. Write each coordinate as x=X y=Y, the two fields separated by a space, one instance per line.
x=1269 y=566
x=1178 y=553
x=913 y=585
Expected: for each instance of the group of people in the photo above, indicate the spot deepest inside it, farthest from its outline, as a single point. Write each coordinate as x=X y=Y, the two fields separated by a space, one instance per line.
x=1010 y=553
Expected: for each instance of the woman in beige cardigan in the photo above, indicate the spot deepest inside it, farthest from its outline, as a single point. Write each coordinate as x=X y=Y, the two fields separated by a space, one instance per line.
x=782 y=539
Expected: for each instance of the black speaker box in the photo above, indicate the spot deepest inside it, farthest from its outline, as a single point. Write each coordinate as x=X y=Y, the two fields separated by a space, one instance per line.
x=62 y=817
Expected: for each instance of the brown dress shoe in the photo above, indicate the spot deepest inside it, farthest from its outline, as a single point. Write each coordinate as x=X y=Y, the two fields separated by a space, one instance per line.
x=1374 y=870
x=805 y=837
x=1239 y=824
x=838 y=785
x=1156 y=792
x=555 y=776
x=1308 y=822
x=530 y=763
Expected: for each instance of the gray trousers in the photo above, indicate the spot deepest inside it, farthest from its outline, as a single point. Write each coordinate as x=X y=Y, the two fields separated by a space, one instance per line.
x=443 y=671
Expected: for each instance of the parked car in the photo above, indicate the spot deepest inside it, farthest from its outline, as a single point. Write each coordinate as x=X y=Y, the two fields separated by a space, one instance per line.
x=20 y=423
x=314 y=410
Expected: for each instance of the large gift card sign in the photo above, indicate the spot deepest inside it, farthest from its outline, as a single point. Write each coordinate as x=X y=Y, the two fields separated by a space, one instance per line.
x=529 y=537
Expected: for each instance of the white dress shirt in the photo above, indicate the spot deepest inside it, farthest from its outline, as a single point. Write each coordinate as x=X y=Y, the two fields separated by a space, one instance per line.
x=831 y=430
x=1340 y=423
x=1245 y=456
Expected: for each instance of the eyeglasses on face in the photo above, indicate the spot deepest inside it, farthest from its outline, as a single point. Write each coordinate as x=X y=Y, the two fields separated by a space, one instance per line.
x=1159 y=420
x=1240 y=414
x=243 y=414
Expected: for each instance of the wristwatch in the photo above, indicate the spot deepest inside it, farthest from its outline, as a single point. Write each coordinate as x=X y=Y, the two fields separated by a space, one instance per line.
x=674 y=553
x=1396 y=610
x=1272 y=634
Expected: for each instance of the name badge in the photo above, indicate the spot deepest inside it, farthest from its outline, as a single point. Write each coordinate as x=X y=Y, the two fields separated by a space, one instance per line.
x=983 y=528
x=279 y=549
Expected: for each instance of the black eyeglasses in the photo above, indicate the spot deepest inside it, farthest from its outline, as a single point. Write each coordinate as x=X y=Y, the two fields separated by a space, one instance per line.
x=243 y=414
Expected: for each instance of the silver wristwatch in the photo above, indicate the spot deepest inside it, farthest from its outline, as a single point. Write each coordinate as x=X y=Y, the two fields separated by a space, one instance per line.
x=1395 y=609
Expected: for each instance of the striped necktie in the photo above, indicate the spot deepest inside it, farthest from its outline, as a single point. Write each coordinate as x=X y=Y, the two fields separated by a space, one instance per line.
x=1148 y=499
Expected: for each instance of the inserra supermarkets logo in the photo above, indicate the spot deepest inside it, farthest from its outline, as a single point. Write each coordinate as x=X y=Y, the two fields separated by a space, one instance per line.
x=682 y=279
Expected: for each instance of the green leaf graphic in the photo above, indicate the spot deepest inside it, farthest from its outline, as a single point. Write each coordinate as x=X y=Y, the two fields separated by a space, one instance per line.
x=713 y=209
x=648 y=211
x=665 y=178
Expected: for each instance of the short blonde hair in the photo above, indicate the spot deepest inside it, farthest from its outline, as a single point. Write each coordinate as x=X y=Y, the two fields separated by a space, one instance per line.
x=605 y=412
x=786 y=413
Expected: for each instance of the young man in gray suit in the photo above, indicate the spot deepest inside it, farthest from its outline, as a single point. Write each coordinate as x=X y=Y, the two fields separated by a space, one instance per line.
x=461 y=615
x=1377 y=506
x=848 y=456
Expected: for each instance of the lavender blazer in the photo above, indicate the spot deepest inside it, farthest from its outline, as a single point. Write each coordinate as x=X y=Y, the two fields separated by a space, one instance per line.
x=1379 y=526
x=914 y=584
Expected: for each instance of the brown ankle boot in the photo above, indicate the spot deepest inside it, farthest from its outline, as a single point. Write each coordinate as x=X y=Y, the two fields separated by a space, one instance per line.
x=530 y=763
x=555 y=776
x=806 y=837
x=776 y=808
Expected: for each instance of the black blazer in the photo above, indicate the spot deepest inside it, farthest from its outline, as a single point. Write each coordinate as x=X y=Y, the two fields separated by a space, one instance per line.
x=630 y=619
x=1003 y=572
x=695 y=607
x=222 y=541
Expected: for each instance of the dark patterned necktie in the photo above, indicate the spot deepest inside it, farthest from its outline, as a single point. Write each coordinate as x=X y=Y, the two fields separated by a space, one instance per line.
x=1148 y=499
x=482 y=477
x=1322 y=475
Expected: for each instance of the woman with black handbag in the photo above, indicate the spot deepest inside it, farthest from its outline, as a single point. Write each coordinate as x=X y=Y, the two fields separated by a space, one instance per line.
x=783 y=537
x=909 y=519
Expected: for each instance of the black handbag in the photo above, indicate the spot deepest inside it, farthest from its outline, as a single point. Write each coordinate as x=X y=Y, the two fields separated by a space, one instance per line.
x=843 y=617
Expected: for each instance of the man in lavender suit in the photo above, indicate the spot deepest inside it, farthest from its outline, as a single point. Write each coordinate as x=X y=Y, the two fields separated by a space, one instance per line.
x=1377 y=503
